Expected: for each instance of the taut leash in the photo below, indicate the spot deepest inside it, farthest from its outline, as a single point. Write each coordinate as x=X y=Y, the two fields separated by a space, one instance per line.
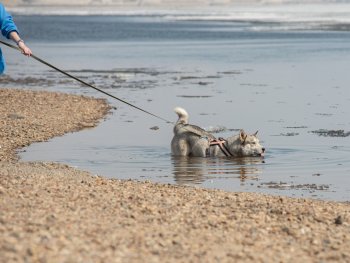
x=86 y=84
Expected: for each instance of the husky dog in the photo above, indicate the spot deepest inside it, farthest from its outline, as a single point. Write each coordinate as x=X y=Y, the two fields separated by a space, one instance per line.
x=191 y=140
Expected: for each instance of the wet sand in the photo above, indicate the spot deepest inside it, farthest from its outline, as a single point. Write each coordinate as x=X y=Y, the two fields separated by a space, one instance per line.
x=54 y=213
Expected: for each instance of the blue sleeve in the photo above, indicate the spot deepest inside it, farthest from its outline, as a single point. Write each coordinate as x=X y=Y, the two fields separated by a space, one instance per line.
x=6 y=22
x=2 y=63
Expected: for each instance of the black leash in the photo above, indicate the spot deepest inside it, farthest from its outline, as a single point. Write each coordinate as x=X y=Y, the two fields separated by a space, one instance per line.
x=85 y=83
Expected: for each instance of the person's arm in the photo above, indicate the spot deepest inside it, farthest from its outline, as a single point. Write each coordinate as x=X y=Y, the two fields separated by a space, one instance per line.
x=20 y=43
x=10 y=31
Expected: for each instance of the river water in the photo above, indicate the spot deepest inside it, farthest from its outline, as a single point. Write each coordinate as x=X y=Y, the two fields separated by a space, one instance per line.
x=281 y=71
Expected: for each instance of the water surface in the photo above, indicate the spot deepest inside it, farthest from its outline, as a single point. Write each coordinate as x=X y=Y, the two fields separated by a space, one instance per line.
x=289 y=83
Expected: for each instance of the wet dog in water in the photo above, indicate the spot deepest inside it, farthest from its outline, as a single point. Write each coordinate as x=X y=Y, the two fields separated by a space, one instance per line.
x=191 y=140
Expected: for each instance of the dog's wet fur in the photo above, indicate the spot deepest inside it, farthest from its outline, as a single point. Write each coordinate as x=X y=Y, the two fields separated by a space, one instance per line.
x=191 y=140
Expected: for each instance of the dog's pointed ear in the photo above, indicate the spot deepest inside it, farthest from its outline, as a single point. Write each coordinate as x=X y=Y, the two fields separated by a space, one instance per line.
x=242 y=136
x=255 y=133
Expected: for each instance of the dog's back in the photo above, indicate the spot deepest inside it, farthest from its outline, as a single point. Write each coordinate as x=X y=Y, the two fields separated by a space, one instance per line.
x=182 y=125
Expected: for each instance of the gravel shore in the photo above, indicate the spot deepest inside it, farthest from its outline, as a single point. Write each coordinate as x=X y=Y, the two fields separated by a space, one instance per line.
x=54 y=213
x=28 y=116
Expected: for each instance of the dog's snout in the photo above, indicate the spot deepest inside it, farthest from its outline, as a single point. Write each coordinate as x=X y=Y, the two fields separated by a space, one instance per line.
x=263 y=150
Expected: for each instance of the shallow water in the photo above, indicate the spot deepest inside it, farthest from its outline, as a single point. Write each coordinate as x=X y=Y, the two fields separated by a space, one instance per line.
x=287 y=84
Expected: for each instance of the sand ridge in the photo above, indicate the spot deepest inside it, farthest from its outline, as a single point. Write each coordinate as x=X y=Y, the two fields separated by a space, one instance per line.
x=29 y=116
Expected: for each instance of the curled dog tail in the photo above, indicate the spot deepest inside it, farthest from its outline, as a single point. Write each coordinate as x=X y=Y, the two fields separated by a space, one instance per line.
x=183 y=115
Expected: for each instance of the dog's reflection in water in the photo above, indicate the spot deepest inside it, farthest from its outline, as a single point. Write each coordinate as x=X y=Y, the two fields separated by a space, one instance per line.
x=197 y=170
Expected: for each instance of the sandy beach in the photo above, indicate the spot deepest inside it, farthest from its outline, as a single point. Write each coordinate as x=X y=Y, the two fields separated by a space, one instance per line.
x=54 y=213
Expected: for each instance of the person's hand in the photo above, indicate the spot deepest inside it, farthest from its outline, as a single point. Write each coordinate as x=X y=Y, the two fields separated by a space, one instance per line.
x=25 y=50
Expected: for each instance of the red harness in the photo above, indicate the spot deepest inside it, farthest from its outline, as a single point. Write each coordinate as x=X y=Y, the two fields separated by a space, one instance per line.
x=221 y=143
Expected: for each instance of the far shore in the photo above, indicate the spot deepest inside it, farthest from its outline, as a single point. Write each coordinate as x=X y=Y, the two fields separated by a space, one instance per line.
x=51 y=212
